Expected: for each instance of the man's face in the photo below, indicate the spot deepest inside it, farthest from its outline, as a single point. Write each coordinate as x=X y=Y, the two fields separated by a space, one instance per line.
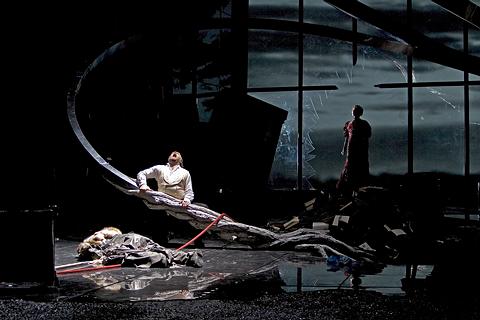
x=174 y=158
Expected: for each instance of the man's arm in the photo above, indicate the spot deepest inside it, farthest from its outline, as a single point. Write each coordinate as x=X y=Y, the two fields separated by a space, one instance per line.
x=143 y=175
x=188 y=189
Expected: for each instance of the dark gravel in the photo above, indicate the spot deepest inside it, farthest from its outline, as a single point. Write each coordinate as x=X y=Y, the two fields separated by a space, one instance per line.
x=327 y=304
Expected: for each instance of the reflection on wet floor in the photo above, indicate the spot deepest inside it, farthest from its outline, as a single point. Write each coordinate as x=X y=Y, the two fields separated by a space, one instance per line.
x=221 y=266
x=225 y=273
x=318 y=277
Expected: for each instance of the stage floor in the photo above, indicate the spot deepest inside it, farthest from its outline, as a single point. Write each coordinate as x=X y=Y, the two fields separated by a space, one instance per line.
x=226 y=273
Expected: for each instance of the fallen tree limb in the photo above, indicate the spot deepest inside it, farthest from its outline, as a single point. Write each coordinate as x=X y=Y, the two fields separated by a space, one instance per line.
x=258 y=238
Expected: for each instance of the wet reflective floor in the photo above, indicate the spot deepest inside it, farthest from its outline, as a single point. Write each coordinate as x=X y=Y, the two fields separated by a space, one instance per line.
x=226 y=273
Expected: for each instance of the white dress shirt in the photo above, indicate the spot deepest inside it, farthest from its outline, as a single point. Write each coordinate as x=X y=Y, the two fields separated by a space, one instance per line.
x=175 y=181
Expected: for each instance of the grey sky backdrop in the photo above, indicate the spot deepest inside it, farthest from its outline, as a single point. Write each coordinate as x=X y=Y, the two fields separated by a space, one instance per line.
x=438 y=111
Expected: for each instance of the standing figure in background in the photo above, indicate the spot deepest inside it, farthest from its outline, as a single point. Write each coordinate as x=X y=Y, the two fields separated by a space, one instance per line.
x=171 y=178
x=355 y=172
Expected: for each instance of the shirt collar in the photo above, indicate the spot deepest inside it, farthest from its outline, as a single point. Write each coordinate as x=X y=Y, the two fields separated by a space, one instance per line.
x=173 y=168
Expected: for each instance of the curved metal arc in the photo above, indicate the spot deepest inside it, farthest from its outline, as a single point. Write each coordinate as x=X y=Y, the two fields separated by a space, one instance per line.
x=424 y=47
x=123 y=179
x=107 y=168
x=464 y=9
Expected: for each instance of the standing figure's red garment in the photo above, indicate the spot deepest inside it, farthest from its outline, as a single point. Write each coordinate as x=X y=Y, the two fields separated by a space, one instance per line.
x=355 y=172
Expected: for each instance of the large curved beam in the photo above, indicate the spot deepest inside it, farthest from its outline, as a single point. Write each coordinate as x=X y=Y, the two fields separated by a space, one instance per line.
x=331 y=32
x=316 y=30
x=464 y=9
x=108 y=171
x=411 y=42
x=424 y=47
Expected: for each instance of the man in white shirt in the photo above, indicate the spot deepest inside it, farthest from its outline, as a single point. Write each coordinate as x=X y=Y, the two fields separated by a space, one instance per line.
x=171 y=178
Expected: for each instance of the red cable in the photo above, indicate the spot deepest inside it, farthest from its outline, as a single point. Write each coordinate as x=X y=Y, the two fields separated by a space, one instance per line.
x=214 y=222
x=89 y=269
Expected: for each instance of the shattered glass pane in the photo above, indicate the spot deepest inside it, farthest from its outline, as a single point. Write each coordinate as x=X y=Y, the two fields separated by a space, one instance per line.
x=284 y=167
x=322 y=13
x=437 y=23
x=272 y=58
x=328 y=61
x=428 y=71
x=438 y=135
x=325 y=112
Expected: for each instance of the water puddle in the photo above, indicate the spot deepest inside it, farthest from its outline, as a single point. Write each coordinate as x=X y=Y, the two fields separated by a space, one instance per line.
x=230 y=274
x=318 y=277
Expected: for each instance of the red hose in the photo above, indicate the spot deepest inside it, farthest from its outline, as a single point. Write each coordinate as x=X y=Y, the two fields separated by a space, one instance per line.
x=214 y=222
x=89 y=269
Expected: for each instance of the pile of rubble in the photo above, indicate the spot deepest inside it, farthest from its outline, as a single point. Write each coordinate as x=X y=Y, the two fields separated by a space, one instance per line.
x=373 y=219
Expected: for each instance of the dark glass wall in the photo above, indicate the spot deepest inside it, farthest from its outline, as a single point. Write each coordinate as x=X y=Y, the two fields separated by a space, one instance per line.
x=336 y=51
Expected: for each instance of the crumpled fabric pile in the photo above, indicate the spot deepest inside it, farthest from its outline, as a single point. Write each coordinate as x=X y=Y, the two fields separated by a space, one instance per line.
x=134 y=250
